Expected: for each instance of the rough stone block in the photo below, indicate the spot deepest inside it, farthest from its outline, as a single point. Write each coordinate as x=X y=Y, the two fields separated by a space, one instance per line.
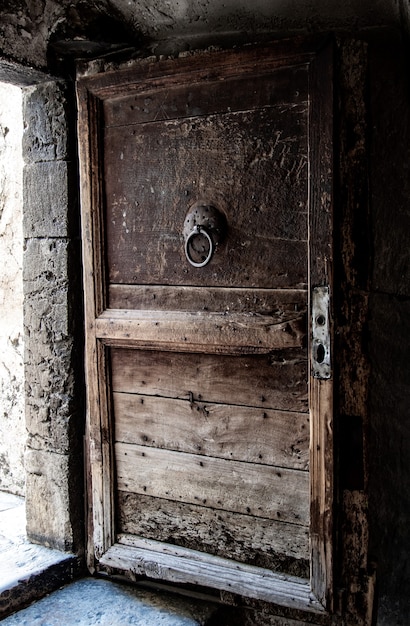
x=46 y=199
x=45 y=285
x=20 y=75
x=48 y=499
x=51 y=351
x=45 y=266
x=52 y=420
x=45 y=135
x=40 y=575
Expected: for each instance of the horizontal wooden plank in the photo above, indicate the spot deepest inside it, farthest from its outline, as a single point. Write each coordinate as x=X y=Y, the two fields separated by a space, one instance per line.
x=232 y=432
x=280 y=303
x=270 y=381
x=180 y=565
x=252 y=166
x=284 y=86
x=256 y=541
x=259 y=490
x=231 y=330
x=105 y=79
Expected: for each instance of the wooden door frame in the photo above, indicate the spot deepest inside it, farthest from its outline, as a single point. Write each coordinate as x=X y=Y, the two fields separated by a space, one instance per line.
x=96 y=82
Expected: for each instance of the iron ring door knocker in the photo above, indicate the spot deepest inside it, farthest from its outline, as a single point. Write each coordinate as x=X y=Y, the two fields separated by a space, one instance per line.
x=204 y=228
x=199 y=230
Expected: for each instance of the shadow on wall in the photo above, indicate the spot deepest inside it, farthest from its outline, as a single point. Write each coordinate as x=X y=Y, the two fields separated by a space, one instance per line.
x=390 y=331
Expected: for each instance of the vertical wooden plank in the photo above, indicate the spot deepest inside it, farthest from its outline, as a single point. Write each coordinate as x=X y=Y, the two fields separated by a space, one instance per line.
x=321 y=274
x=98 y=449
x=354 y=271
x=322 y=487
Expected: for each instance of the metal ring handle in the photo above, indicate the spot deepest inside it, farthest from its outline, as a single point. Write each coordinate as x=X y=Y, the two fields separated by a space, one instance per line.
x=199 y=230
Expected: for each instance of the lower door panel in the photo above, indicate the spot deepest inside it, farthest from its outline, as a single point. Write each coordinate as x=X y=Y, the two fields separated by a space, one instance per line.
x=205 y=462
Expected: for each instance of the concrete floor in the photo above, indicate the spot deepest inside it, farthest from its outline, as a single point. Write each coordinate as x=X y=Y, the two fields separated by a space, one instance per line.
x=27 y=569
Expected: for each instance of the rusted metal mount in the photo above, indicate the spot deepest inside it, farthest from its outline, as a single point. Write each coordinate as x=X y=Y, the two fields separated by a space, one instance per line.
x=321 y=362
x=204 y=228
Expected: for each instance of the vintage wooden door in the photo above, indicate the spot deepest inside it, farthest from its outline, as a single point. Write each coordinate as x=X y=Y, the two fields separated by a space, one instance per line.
x=206 y=208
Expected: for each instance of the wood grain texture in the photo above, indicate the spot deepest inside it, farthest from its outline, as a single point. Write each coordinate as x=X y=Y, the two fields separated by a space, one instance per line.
x=321 y=188
x=98 y=448
x=263 y=542
x=273 y=381
x=322 y=488
x=185 y=566
x=251 y=165
x=142 y=104
x=321 y=402
x=281 y=303
x=259 y=490
x=278 y=438
x=109 y=77
x=232 y=331
x=357 y=271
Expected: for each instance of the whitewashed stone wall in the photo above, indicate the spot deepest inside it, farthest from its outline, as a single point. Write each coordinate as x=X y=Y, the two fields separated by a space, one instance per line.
x=12 y=419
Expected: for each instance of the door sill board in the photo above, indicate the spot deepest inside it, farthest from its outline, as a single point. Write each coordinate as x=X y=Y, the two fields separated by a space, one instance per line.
x=180 y=565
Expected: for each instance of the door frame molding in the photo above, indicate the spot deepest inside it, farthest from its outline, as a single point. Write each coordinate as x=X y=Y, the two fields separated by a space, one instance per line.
x=97 y=81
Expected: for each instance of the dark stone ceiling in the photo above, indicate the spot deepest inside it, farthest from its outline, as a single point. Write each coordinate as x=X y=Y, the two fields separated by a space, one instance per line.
x=33 y=31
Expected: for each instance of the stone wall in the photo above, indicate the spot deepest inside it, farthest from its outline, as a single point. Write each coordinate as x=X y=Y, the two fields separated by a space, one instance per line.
x=52 y=320
x=12 y=423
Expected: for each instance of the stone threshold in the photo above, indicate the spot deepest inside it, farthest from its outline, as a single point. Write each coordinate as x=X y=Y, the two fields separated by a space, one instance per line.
x=39 y=583
x=103 y=602
x=27 y=571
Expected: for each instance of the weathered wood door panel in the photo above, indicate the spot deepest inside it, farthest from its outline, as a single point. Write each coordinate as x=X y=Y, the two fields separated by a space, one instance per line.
x=222 y=159
x=200 y=419
x=180 y=440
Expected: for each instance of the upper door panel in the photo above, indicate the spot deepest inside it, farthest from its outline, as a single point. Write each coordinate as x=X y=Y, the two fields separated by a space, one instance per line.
x=238 y=145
